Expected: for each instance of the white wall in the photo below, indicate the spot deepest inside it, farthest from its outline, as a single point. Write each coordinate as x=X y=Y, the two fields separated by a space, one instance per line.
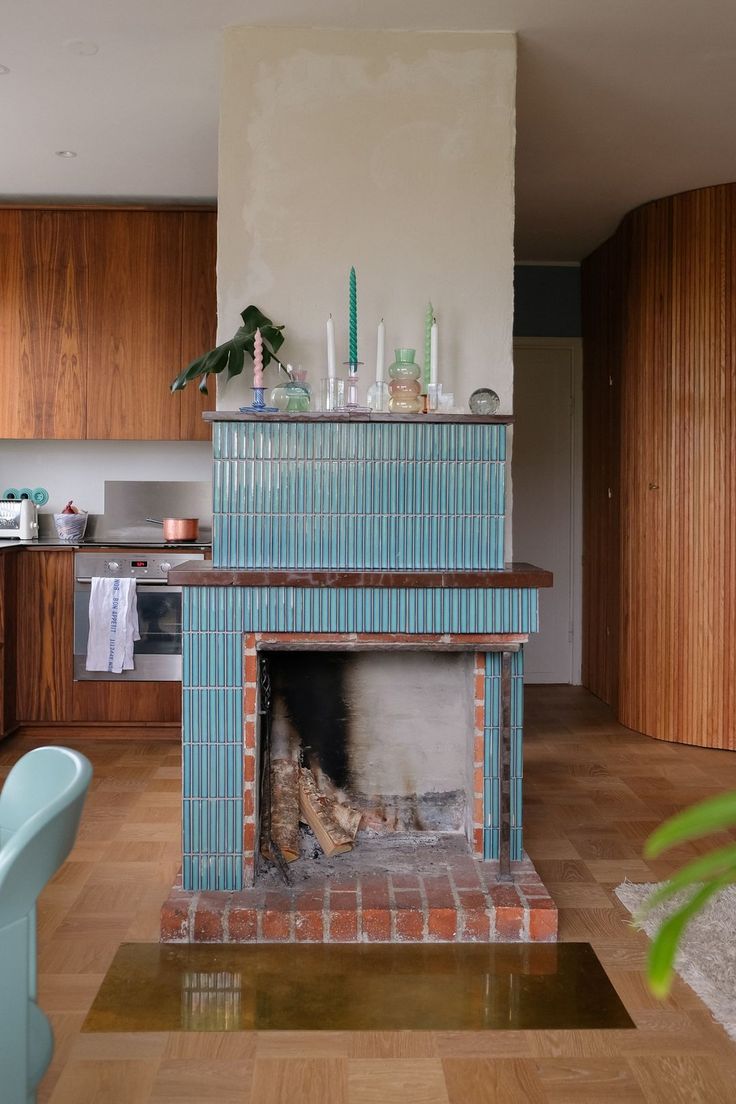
x=390 y=151
x=78 y=469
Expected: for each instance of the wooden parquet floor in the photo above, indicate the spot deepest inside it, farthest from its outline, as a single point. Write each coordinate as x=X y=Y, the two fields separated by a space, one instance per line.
x=594 y=790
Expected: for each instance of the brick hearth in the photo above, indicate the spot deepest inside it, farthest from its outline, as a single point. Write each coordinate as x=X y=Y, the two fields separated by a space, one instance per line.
x=461 y=900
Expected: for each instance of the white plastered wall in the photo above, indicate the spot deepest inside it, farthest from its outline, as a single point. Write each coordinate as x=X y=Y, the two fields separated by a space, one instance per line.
x=389 y=151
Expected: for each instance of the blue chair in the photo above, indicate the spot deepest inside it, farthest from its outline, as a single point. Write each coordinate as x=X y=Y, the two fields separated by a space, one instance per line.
x=40 y=807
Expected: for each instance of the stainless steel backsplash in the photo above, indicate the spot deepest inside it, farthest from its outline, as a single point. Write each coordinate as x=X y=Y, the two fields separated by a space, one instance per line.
x=128 y=504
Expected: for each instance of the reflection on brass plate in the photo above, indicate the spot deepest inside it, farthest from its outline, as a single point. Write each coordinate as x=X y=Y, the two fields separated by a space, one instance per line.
x=387 y=987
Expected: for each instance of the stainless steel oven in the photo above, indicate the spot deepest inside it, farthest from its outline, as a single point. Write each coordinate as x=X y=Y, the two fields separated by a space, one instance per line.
x=157 y=655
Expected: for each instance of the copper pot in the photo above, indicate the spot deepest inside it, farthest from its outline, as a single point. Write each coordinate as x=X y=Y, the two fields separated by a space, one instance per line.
x=178 y=529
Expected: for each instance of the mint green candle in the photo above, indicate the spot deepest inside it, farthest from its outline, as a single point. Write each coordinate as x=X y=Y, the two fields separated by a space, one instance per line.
x=353 y=353
x=428 y=320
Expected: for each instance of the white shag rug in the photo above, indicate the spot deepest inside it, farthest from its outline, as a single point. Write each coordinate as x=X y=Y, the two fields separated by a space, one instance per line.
x=706 y=959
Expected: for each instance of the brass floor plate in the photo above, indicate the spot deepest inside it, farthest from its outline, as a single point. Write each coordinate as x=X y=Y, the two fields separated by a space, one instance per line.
x=386 y=987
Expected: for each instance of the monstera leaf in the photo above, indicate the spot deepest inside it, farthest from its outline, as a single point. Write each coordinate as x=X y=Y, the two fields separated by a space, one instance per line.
x=230 y=356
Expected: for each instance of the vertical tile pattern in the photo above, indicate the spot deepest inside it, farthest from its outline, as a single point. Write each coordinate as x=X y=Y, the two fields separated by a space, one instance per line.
x=492 y=756
x=516 y=771
x=220 y=702
x=359 y=495
x=339 y=495
x=492 y=722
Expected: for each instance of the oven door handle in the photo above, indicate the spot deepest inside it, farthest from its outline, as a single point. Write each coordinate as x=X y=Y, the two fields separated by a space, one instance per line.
x=139 y=582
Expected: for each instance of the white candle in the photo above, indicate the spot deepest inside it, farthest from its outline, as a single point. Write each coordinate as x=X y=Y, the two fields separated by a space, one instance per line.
x=380 y=351
x=433 y=353
x=331 y=362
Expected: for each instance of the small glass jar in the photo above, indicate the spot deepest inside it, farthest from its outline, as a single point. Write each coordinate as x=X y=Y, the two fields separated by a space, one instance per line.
x=291 y=398
x=405 y=388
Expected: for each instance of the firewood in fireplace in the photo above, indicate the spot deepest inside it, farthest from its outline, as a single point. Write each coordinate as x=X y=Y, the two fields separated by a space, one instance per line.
x=318 y=812
x=284 y=808
x=347 y=817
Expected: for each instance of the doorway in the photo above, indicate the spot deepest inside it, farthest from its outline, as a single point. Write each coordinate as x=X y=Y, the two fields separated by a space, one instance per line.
x=547 y=497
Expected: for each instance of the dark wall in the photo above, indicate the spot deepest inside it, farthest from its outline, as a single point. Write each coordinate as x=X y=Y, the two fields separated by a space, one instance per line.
x=547 y=301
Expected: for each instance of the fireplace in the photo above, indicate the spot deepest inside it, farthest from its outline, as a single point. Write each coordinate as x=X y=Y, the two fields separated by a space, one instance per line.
x=439 y=855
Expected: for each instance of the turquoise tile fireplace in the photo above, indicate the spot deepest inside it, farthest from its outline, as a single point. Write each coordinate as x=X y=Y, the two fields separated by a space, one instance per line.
x=355 y=534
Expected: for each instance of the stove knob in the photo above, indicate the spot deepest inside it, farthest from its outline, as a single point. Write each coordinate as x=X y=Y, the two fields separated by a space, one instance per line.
x=112 y=565
x=165 y=566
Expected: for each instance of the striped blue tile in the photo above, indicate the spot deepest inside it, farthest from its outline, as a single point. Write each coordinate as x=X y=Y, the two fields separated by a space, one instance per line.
x=358 y=495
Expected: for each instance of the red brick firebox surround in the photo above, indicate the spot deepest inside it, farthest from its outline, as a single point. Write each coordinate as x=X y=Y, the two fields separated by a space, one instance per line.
x=462 y=899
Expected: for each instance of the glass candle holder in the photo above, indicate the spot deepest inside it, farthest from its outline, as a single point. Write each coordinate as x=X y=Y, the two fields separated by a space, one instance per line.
x=333 y=393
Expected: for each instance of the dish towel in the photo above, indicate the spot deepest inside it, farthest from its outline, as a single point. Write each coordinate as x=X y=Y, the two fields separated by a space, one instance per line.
x=113 y=625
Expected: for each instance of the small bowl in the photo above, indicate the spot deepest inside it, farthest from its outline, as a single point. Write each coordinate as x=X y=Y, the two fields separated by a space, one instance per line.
x=70 y=527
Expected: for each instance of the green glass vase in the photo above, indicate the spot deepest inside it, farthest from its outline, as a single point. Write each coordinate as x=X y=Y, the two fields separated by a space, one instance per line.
x=405 y=388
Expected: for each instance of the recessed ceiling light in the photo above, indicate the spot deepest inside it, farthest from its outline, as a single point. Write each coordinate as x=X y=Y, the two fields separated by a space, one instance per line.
x=65 y=153
x=84 y=49
x=3 y=70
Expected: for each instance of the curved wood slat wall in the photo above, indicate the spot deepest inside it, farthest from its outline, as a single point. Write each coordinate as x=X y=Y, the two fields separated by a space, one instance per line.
x=660 y=507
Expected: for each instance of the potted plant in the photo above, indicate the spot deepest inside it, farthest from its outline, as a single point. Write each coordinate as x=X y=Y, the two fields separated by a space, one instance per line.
x=230 y=356
x=703 y=877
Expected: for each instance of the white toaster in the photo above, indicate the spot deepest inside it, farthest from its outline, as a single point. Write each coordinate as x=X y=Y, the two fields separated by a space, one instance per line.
x=18 y=518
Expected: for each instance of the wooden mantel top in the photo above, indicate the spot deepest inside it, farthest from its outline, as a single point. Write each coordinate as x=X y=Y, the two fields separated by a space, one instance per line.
x=357 y=416
x=512 y=576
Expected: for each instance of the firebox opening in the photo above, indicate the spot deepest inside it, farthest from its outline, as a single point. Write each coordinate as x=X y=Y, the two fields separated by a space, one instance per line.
x=382 y=741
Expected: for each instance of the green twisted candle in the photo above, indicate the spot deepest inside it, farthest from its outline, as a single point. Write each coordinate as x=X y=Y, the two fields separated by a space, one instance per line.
x=428 y=320
x=353 y=354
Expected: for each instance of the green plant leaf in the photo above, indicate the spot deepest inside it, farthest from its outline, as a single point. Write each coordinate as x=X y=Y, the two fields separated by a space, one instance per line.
x=230 y=354
x=212 y=362
x=707 y=816
x=719 y=863
x=235 y=361
x=664 y=948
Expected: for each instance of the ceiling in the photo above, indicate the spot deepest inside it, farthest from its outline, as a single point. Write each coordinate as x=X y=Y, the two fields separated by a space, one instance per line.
x=618 y=102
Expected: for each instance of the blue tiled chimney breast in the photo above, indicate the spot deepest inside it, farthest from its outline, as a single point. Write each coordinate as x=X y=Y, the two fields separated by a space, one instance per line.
x=361 y=495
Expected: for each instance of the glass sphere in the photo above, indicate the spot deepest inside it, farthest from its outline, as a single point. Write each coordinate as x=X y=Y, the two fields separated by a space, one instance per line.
x=484 y=401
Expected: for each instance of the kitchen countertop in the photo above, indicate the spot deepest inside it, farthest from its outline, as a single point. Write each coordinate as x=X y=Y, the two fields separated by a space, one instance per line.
x=47 y=543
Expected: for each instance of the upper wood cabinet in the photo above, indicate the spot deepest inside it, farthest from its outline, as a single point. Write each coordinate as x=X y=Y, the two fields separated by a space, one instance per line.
x=99 y=310
x=43 y=323
x=198 y=316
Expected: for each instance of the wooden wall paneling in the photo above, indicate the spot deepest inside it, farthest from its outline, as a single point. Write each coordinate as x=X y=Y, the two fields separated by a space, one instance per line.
x=135 y=351
x=677 y=430
x=44 y=635
x=198 y=316
x=601 y=528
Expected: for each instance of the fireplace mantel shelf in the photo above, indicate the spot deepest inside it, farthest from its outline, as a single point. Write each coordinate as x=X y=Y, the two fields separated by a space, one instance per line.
x=512 y=576
x=357 y=416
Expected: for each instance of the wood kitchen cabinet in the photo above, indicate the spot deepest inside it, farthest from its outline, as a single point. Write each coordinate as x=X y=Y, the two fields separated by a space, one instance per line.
x=7 y=651
x=198 y=317
x=99 y=310
x=44 y=642
x=44 y=297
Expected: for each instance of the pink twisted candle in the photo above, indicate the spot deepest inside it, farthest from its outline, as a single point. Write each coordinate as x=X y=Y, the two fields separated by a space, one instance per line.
x=258 y=360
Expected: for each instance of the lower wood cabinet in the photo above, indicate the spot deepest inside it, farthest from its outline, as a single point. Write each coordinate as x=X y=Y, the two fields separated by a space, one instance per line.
x=7 y=650
x=45 y=690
